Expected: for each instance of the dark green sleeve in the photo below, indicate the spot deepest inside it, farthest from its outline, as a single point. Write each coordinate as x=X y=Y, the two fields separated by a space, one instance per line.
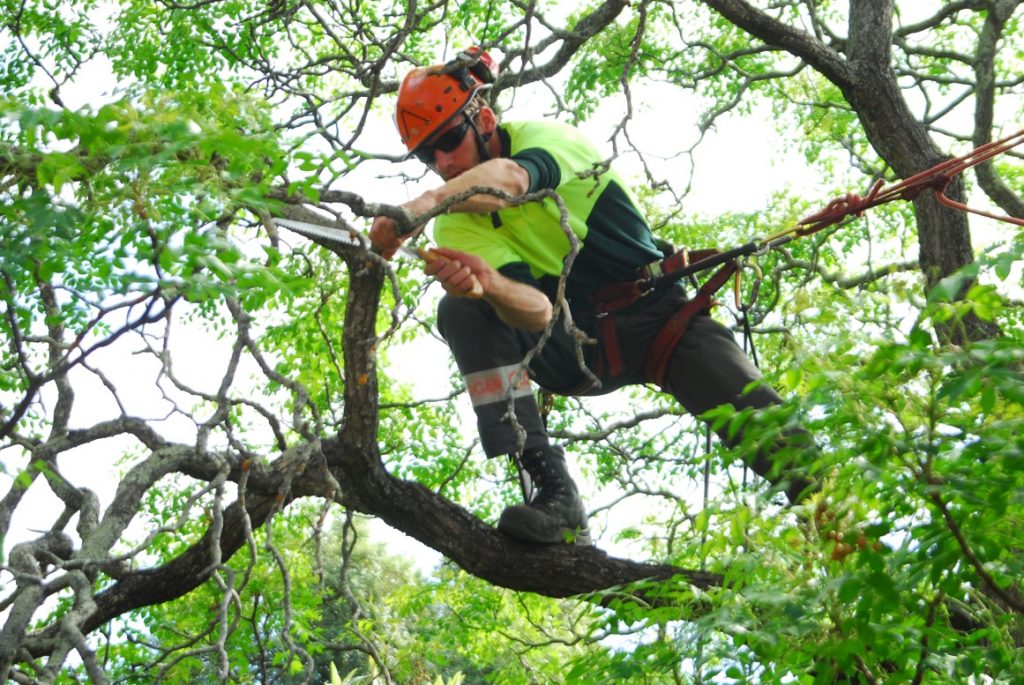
x=519 y=271
x=541 y=166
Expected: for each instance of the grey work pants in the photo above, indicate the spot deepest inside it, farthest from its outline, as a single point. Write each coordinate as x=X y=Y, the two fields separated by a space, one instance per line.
x=707 y=368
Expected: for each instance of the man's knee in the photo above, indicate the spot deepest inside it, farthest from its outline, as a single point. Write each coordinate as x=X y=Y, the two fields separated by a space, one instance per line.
x=757 y=395
x=458 y=315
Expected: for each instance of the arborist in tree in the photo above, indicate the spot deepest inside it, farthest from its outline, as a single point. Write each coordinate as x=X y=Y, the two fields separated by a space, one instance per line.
x=516 y=255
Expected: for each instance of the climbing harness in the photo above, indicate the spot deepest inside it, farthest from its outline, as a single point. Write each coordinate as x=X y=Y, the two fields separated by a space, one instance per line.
x=686 y=264
x=617 y=296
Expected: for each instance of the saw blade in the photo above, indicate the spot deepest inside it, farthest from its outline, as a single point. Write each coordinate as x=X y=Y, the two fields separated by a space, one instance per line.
x=342 y=237
x=335 y=235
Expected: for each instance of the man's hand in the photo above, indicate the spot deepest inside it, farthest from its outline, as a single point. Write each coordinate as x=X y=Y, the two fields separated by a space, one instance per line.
x=518 y=304
x=384 y=236
x=384 y=230
x=460 y=273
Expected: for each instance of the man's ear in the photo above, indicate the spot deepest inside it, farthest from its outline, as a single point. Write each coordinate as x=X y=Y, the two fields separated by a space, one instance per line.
x=486 y=120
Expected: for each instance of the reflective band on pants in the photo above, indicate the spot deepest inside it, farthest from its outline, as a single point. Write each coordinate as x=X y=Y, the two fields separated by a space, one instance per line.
x=497 y=384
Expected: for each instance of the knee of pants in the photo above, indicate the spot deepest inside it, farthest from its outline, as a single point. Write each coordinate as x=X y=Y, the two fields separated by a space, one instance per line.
x=455 y=314
x=709 y=369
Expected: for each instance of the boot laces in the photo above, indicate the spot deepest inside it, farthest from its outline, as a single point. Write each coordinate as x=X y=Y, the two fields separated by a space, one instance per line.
x=551 y=498
x=551 y=493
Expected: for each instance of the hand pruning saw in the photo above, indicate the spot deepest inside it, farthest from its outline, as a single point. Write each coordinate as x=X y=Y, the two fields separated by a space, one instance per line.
x=336 y=235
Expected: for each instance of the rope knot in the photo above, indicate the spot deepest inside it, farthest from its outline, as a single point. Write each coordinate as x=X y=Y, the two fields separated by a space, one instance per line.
x=838 y=209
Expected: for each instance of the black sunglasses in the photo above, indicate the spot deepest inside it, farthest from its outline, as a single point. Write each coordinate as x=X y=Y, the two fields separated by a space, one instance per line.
x=446 y=142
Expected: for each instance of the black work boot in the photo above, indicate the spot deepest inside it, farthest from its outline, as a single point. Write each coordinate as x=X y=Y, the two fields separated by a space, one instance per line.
x=554 y=512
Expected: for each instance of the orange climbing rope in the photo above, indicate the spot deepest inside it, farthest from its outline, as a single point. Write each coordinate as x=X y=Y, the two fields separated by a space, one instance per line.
x=936 y=178
x=683 y=263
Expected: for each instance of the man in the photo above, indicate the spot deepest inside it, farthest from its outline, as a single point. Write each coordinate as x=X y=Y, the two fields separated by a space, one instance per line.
x=515 y=255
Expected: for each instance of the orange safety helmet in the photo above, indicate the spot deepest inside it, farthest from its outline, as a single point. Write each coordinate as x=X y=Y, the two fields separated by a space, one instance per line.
x=430 y=97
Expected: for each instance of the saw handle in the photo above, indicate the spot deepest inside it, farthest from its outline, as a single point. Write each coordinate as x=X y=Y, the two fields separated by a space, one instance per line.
x=428 y=255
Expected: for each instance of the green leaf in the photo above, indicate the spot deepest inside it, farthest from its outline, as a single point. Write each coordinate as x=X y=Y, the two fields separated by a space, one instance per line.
x=849 y=589
x=1003 y=263
x=949 y=289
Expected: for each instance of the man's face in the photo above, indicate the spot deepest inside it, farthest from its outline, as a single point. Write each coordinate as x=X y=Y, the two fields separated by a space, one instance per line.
x=452 y=151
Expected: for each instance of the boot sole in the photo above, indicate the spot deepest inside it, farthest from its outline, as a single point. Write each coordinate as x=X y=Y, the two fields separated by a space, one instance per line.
x=565 y=535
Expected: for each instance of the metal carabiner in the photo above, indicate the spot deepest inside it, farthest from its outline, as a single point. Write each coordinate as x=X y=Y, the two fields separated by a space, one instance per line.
x=754 y=289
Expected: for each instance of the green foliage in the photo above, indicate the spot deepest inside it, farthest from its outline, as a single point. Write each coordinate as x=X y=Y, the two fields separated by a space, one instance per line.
x=939 y=426
x=64 y=34
x=920 y=450
x=139 y=214
x=364 y=596
x=490 y=635
x=249 y=623
x=180 y=49
x=821 y=126
x=120 y=207
x=598 y=73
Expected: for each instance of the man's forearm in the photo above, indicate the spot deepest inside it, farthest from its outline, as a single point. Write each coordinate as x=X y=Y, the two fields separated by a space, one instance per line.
x=518 y=304
x=499 y=174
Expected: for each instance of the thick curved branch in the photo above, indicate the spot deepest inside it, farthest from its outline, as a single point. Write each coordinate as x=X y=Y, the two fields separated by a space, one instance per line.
x=551 y=570
x=767 y=28
x=556 y=571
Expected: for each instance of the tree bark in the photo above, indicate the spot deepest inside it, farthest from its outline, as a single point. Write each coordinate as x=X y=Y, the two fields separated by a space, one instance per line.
x=984 y=109
x=868 y=83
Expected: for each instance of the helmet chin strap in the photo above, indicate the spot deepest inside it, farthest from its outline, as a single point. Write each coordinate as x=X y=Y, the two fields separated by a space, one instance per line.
x=481 y=141
x=485 y=155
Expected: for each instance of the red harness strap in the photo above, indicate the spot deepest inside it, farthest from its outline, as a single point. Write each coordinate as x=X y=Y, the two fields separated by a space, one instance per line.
x=672 y=332
x=610 y=340
x=677 y=261
x=617 y=296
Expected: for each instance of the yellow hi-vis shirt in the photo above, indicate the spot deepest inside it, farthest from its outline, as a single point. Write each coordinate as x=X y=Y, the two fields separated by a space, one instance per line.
x=528 y=242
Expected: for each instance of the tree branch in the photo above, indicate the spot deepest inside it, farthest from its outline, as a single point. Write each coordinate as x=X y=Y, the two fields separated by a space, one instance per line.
x=807 y=47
